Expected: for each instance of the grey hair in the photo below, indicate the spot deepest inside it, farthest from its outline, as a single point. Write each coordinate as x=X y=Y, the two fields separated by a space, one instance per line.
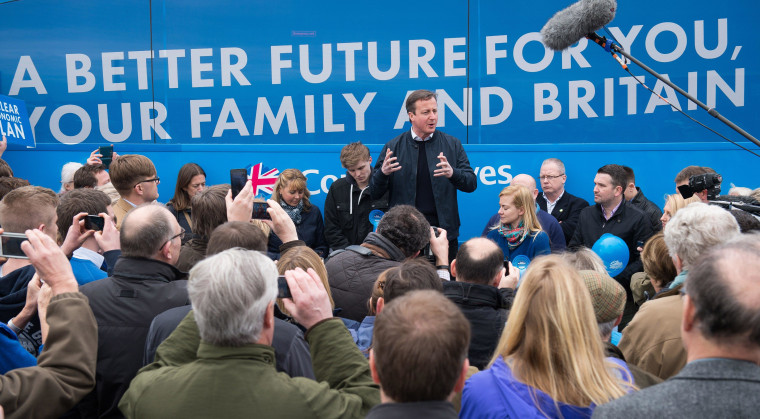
x=555 y=161
x=230 y=292
x=697 y=228
x=584 y=259
x=605 y=329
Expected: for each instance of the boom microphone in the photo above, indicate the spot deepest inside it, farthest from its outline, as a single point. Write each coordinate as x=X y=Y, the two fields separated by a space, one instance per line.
x=570 y=25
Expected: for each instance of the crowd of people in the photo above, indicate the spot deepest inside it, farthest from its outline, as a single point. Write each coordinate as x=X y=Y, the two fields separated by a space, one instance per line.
x=125 y=307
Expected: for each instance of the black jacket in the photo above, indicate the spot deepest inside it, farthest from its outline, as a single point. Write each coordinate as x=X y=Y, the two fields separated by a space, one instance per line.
x=486 y=308
x=12 y=299
x=311 y=230
x=649 y=208
x=401 y=185
x=566 y=211
x=352 y=275
x=347 y=209
x=124 y=305
x=415 y=410
x=628 y=223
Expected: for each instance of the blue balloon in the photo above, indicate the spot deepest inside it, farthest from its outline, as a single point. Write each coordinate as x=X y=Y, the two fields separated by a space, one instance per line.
x=374 y=218
x=613 y=251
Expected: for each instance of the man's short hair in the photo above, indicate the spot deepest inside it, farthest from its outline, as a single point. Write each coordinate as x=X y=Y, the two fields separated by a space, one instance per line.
x=27 y=207
x=411 y=100
x=79 y=200
x=630 y=177
x=616 y=172
x=230 y=292
x=687 y=172
x=85 y=176
x=413 y=274
x=145 y=230
x=420 y=343
x=209 y=210
x=697 y=228
x=723 y=286
x=555 y=161
x=236 y=234
x=353 y=154
x=478 y=261
x=406 y=228
x=128 y=170
x=8 y=184
x=5 y=169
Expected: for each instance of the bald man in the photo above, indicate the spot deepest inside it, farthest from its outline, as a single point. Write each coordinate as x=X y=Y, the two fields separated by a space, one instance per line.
x=143 y=283
x=483 y=293
x=549 y=224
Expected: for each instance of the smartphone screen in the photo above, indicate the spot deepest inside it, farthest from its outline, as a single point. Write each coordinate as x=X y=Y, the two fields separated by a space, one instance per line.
x=506 y=266
x=107 y=153
x=283 y=291
x=260 y=211
x=10 y=245
x=238 y=177
x=94 y=222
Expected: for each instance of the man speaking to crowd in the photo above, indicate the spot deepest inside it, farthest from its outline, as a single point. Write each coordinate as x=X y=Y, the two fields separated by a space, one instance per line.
x=424 y=167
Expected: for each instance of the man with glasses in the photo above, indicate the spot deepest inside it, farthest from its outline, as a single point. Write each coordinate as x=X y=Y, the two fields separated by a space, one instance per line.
x=144 y=283
x=134 y=177
x=555 y=200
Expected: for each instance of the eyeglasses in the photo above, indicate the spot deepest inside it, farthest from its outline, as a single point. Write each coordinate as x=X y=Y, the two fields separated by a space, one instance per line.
x=154 y=180
x=181 y=235
x=549 y=177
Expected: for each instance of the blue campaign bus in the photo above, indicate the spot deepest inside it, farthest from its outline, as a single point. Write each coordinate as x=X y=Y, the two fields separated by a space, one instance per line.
x=286 y=83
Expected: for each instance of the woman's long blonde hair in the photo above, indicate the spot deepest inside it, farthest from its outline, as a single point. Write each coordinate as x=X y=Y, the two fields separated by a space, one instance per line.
x=303 y=257
x=522 y=199
x=677 y=202
x=551 y=340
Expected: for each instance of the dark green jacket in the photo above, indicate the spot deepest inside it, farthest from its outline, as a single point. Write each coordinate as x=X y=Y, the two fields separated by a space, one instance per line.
x=191 y=378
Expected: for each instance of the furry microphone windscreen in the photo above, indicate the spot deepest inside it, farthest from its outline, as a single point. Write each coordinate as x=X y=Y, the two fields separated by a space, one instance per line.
x=570 y=25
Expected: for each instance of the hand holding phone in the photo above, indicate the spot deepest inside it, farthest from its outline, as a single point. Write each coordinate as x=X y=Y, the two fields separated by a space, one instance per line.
x=283 y=291
x=260 y=211
x=10 y=245
x=238 y=178
x=106 y=155
x=94 y=222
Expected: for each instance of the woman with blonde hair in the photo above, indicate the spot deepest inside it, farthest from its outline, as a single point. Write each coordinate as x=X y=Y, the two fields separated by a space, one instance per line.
x=519 y=232
x=674 y=203
x=550 y=361
x=291 y=193
x=304 y=258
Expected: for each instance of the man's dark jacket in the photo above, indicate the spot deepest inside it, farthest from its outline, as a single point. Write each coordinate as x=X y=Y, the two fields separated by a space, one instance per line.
x=124 y=305
x=12 y=299
x=628 y=223
x=347 y=209
x=566 y=211
x=649 y=208
x=402 y=185
x=486 y=308
x=415 y=410
x=705 y=388
x=352 y=275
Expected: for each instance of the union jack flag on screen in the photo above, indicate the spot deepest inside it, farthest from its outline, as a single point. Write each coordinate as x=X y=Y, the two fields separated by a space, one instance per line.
x=265 y=181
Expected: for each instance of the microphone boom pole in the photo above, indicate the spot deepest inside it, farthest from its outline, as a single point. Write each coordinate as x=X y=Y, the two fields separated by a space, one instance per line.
x=614 y=48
